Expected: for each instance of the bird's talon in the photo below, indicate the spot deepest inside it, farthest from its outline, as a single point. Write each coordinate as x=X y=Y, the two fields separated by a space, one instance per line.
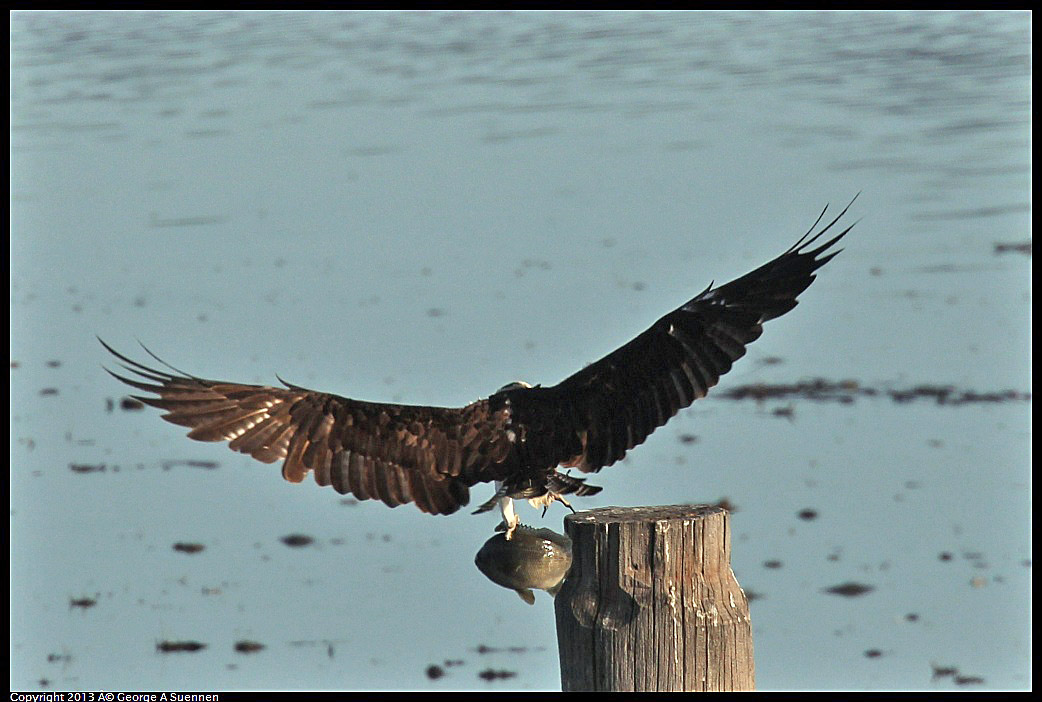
x=564 y=502
x=508 y=528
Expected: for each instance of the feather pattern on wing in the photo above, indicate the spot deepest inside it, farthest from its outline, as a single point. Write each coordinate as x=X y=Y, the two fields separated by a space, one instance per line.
x=591 y=419
x=392 y=453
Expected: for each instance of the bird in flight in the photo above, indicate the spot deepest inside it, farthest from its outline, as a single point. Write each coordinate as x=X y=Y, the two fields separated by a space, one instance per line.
x=516 y=438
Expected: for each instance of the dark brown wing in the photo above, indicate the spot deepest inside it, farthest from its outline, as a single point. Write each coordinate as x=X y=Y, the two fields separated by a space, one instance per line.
x=393 y=453
x=592 y=418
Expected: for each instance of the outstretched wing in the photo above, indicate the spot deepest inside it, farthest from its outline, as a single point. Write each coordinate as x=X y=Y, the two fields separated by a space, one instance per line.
x=393 y=453
x=592 y=418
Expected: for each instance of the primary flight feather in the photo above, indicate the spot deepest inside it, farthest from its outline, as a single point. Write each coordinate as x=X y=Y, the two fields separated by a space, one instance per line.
x=518 y=436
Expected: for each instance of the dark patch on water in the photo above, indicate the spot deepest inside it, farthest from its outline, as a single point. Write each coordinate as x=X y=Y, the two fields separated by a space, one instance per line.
x=1023 y=247
x=188 y=547
x=179 y=646
x=248 y=646
x=208 y=465
x=490 y=675
x=846 y=391
x=850 y=589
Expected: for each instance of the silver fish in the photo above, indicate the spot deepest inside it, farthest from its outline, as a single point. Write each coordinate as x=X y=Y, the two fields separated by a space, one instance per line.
x=532 y=558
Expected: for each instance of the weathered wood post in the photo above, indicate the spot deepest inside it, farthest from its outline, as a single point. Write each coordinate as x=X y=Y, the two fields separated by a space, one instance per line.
x=651 y=603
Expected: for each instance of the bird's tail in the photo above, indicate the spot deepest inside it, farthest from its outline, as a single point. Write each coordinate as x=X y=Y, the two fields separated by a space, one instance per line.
x=563 y=484
x=556 y=483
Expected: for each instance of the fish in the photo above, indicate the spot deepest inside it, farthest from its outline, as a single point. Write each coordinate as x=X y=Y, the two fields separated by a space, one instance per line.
x=532 y=559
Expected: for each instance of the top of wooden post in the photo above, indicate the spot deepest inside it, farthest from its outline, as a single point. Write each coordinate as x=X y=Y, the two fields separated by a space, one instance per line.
x=616 y=515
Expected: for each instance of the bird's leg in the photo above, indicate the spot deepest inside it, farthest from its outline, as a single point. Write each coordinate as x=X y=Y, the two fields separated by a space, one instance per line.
x=510 y=518
x=564 y=502
x=548 y=499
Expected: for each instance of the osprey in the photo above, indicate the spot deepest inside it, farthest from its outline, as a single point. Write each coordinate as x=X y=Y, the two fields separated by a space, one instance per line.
x=517 y=437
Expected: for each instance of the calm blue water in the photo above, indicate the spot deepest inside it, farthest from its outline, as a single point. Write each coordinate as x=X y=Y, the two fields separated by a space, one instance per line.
x=422 y=207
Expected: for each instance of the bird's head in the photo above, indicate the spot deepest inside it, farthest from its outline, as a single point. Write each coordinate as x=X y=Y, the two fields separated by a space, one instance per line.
x=516 y=385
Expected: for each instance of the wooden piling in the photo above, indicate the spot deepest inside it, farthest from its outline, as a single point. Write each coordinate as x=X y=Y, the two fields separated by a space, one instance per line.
x=651 y=603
